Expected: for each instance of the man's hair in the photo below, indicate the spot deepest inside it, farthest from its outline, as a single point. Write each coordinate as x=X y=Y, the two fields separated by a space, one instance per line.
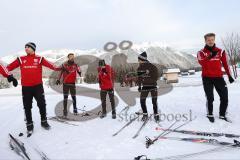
x=209 y=35
x=70 y=54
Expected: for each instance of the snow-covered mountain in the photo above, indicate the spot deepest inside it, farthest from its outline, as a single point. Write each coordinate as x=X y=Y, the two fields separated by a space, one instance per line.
x=157 y=53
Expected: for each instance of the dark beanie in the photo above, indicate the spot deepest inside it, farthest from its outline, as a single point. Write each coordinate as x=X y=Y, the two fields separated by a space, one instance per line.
x=143 y=56
x=101 y=62
x=31 y=45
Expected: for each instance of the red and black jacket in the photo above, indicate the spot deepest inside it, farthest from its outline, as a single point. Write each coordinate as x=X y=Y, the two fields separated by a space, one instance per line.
x=70 y=73
x=31 y=68
x=212 y=67
x=106 y=78
x=4 y=71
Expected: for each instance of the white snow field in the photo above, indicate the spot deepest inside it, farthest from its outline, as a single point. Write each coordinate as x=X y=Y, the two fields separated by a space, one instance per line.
x=93 y=139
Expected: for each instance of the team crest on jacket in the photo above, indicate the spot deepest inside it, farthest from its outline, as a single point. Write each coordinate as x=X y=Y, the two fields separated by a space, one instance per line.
x=35 y=61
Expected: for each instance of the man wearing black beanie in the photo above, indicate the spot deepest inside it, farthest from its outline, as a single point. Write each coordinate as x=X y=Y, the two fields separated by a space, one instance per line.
x=147 y=82
x=32 y=84
x=31 y=45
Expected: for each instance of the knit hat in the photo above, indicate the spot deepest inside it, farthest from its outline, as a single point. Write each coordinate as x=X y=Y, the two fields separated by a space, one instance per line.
x=101 y=63
x=143 y=56
x=31 y=45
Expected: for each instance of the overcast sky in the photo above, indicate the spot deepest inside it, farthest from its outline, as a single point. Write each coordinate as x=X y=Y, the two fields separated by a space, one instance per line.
x=86 y=24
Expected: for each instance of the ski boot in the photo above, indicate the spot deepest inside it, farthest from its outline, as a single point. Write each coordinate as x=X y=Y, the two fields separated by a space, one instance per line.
x=65 y=113
x=156 y=118
x=145 y=117
x=103 y=115
x=75 y=111
x=211 y=118
x=114 y=116
x=45 y=125
x=225 y=119
x=30 y=128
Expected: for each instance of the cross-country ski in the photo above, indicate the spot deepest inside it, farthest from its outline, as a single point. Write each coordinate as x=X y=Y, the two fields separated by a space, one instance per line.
x=201 y=133
x=18 y=146
x=126 y=125
x=141 y=128
x=215 y=142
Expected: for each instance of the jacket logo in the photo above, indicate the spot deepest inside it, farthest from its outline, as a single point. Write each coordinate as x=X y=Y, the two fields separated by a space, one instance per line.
x=35 y=60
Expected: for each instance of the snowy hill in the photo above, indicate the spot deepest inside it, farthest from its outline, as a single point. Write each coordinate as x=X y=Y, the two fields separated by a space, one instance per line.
x=157 y=53
x=93 y=139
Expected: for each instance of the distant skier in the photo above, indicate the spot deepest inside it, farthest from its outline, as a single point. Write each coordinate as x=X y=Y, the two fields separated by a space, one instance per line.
x=32 y=84
x=106 y=83
x=69 y=76
x=6 y=74
x=147 y=82
x=211 y=58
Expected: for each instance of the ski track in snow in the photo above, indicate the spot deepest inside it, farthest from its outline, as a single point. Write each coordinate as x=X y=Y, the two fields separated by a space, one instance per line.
x=93 y=139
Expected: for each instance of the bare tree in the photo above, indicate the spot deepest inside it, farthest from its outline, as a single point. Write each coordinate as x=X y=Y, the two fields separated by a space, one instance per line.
x=231 y=44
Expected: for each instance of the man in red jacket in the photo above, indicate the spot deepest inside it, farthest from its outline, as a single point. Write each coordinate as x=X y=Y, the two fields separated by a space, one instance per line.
x=69 y=79
x=6 y=74
x=211 y=58
x=106 y=80
x=31 y=79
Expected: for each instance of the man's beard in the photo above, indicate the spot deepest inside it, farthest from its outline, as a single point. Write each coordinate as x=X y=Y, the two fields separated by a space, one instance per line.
x=70 y=61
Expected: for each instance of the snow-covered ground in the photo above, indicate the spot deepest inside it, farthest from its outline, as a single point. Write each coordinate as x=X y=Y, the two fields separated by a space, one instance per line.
x=93 y=139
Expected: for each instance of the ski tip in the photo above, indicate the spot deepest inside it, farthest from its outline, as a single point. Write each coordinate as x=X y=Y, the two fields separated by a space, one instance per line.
x=10 y=135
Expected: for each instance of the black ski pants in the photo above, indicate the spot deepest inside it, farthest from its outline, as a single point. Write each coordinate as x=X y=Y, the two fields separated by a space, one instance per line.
x=69 y=87
x=143 y=96
x=221 y=87
x=103 y=95
x=36 y=92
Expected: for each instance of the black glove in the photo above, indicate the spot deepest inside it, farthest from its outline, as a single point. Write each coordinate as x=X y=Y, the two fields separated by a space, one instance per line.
x=231 y=80
x=80 y=74
x=13 y=80
x=104 y=70
x=58 y=82
x=139 y=89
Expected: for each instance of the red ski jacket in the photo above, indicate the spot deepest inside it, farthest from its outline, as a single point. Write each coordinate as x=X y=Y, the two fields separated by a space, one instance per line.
x=106 y=79
x=31 y=68
x=213 y=67
x=70 y=75
x=4 y=71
